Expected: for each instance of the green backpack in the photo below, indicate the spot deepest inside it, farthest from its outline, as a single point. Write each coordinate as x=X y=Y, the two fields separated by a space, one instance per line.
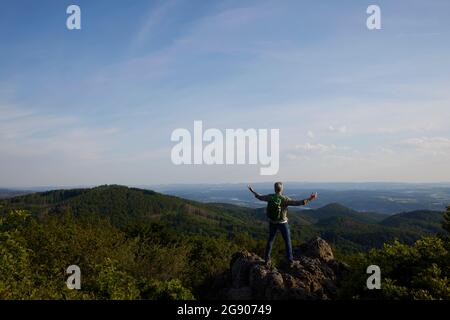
x=274 y=207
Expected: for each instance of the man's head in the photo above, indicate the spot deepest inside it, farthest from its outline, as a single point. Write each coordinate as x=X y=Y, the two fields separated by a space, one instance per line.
x=278 y=187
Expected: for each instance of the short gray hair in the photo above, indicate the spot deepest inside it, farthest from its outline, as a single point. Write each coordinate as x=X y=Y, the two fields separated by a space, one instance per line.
x=278 y=186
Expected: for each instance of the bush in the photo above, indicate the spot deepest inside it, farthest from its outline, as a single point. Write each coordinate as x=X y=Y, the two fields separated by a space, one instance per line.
x=446 y=222
x=421 y=271
x=114 y=284
x=167 y=290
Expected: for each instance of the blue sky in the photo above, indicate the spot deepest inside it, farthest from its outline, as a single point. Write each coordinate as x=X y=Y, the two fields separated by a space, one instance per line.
x=98 y=105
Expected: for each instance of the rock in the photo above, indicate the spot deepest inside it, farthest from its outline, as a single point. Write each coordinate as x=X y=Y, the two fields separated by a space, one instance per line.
x=297 y=294
x=244 y=293
x=292 y=282
x=258 y=280
x=313 y=275
x=340 y=269
x=316 y=248
x=240 y=267
x=274 y=286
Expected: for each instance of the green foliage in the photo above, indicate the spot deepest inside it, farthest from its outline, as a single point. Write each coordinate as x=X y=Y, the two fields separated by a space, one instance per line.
x=115 y=284
x=208 y=257
x=420 y=271
x=145 y=260
x=168 y=290
x=138 y=244
x=348 y=230
x=15 y=266
x=446 y=222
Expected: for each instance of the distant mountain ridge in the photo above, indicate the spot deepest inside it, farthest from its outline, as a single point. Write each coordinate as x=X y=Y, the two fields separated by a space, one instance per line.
x=121 y=204
x=8 y=193
x=425 y=220
x=336 y=209
x=380 y=197
x=386 y=198
x=345 y=228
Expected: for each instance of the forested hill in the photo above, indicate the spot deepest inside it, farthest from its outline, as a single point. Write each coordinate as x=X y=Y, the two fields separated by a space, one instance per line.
x=424 y=220
x=347 y=229
x=122 y=206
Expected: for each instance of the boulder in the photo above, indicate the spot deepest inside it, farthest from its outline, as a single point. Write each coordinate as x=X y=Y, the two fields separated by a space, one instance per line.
x=313 y=275
x=315 y=248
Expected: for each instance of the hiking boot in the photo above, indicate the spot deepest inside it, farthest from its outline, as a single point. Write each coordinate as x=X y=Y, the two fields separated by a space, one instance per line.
x=287 y=264
x=268 y=263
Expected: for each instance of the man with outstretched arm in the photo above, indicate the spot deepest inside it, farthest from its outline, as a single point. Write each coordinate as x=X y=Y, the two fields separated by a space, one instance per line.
x=277 y=207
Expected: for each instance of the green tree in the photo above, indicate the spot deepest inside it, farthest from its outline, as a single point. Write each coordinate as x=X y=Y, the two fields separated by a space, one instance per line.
x=115 y=284
x=420 y=271
x=446 y=222
x=167 y=290
x=15 y=264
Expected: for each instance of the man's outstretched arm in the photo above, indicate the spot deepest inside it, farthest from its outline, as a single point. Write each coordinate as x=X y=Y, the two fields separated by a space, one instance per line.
x=257 y=195
x=301 y=202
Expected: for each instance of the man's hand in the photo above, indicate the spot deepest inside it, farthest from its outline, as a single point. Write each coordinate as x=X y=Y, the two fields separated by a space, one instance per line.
x=313 y=196
x=251 y=189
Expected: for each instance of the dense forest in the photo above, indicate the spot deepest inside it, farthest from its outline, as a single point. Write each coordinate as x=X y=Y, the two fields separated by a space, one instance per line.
x=138 y=244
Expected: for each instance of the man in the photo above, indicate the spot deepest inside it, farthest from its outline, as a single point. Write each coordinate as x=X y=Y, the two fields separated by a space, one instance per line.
x=277 y=205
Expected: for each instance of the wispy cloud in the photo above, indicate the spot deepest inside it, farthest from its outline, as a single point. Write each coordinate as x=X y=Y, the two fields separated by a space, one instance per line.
x=25 y=132
x=8 y=113
x=339 y=129
x=149 y=28
x=429 y=145
x=317 y=150
x=19 y=123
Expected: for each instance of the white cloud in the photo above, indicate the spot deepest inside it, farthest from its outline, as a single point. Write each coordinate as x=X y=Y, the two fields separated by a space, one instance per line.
x=421 y=127
x=9 y=113
x=25 y=133
x=386 y=151
x=310 y=134
x=318 y=147
x=318 y=150
x=340 y=129
x=151 y=23
x=433 y=145
x=19 y=123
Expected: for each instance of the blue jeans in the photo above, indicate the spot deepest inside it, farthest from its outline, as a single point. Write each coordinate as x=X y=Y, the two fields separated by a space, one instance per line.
x=284 y=229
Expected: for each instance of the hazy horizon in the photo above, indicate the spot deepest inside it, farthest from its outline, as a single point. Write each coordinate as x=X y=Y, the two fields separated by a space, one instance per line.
x=326 y=184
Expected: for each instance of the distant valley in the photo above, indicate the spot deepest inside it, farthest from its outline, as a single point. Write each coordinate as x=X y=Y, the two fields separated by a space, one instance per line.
x=387 y=198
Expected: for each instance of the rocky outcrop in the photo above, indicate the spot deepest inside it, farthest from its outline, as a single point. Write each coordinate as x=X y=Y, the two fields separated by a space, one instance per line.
x=315 y=248
x=315 y=274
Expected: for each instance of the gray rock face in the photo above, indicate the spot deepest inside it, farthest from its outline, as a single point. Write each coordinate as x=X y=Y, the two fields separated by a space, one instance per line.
x=314 y=275
x=315 y=248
